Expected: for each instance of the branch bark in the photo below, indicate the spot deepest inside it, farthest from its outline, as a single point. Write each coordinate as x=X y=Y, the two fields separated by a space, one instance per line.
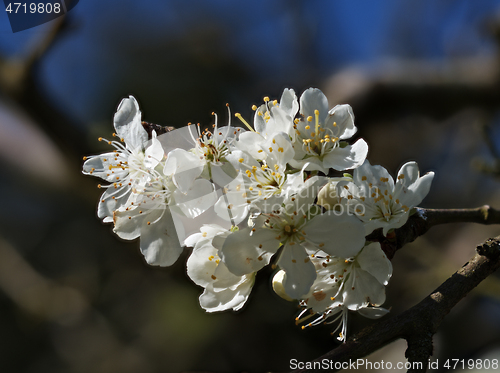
x=418 y=324
x=424 y=219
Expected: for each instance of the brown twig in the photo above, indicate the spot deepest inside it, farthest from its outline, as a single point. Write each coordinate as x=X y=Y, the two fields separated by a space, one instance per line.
x=423 y=219
x=418 y=324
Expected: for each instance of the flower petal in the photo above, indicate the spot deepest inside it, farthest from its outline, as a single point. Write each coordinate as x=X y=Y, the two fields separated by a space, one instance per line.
x=241 y=251
x=289 y=103
x=339 y=235
x=313 y=99
x=249 y=142
x=127 y=122
x=351 y=156
x=360 y=288
x=154 y=153
x=212 y=301
x=201 y=265
x=374 y=261
x=198 y=199
x=343 y=117
x=299 y=270
x=159 y=242
x=184 y=167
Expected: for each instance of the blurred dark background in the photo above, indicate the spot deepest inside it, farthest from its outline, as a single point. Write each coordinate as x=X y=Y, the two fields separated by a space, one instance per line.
x=422 y=77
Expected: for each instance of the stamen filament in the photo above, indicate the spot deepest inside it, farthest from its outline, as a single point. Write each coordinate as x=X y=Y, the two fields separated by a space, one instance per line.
x=238 y=115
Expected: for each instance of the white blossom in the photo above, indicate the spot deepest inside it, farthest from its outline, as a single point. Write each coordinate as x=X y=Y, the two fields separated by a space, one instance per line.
x=301 y=230
x=342 y=285
x=269 y=119
x=127 y=166
x=223 y=290
x=318 y=135
x=379 y=201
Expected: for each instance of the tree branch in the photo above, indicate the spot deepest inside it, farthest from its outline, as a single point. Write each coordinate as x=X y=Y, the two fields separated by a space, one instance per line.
x=418 y=324
x=424 y=219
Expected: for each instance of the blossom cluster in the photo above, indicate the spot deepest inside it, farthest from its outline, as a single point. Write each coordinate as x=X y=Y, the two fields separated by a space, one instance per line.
x=249 y=196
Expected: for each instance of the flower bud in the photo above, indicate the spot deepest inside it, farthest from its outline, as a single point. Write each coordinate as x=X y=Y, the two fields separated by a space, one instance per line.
x=327 y=196
x=278 y=287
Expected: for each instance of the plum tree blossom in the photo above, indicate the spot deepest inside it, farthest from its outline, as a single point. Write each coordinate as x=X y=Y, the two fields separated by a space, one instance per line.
x=127 y=166
x=319 y=135
x=222 y=289
x=379 y=201
x=354 y=284
x=268 y=189
x=299 y=231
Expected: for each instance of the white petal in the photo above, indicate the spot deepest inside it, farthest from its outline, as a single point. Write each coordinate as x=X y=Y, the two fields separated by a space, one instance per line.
x=249 y=142
x=360 y=288
x=153 y=154
x=108 y=204
x=279 y=122
x=416 y=192
x=127 y=122
x=259 y=123
x=99 y=166
x=200 y=268
x=212 y=301
x=241 y=251
x=186 y=226
x=300 y=200
x=223 y=174
x=374 y=175
x=408 y=173
x=313 y=99
x=278 y=287
x=289 y=103
x=185 y=168
x=198 y=199
x=343 y=117
x=311 y=164
x=397 y=221
x=300 y=272
x=339 y=235
x=248 y=160
x=180 y=138
x=232 y=205
x=349 y=157
x=374 y=261
x=193 y=239
x=159 y=242
x=279 y=150
x=128 y=224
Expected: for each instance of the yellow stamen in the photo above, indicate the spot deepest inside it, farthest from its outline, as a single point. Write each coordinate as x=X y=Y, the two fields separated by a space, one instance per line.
x=238 y=115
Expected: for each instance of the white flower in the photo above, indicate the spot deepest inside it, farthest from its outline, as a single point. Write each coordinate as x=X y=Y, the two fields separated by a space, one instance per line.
x=273 y=117
x=208 y=156
x=259 y=185
x=318 y=135
x=379 y=202
x=355 y=284
x=301 y=231
x=128 y=165
x=207 y=159
x=147 y=215
x=223 y=290
x=270 y=118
